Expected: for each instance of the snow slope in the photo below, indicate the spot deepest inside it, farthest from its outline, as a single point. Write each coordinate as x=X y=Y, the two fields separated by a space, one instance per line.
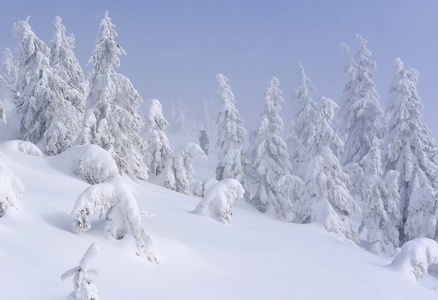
x=254 y=257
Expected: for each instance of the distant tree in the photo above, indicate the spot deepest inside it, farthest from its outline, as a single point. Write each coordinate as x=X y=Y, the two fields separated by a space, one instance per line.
x=361 y=118
x=326 y=195
x=83 y=286
x=177 y=173
x=303 y=125
x=270 y=157
x=178 y=118
x=409 y=145
x=45 y=113
x=158 y=149
x=111 y=118
x=231 y=136
x=9 y=68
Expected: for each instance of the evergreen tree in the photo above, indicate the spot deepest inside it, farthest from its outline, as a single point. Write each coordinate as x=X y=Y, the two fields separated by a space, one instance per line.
x=231 y=136
x=270 y=157
x=9 y=69
x=178 y=117
x=409 y=146
x=111 y=118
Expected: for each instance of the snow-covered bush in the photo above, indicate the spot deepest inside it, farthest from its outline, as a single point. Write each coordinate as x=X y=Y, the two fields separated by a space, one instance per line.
x=11 y=189
x=415 y=257
x=219 y=198
x=95 y=165
x=200 y=188
x=29 y=148
x=83 y=286
x=177 y=173
x=115 y=202
x=290 y=192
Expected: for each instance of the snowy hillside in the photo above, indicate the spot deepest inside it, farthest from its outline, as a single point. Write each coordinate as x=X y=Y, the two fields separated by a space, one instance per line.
x=254 y=257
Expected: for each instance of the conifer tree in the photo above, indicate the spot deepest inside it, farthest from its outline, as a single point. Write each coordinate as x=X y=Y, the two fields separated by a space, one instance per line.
x=9 y=68
x=111 y=118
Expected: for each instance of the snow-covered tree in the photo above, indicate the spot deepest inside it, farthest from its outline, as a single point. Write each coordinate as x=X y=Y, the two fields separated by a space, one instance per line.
x=115 y=202
x=302 y=127
x=289 y=197
x=45 y=113
x=200 y=188
x=383 y=234
x=9 y=68
x=219 y=198
x=231 y=136
x=83 y=286
x=2 y=113
x=64 y=62
x=409 y=145
x=178 y=116
x=158 y=148
x=11 y=189
x=326 y=195
x=361 y=118
x=270 y=160
x=111 y=118
x=209 y=113
x=177 y=173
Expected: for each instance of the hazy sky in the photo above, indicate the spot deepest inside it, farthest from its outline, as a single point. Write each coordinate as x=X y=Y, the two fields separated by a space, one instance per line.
x=175 y=48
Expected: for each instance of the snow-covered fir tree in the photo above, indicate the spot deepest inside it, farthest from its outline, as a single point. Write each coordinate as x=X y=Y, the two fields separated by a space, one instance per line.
x=178 y=118
x=111 y=118
x=302 y=127
x=361 y=118
x=231 y=136
x=270 y=160
x=326 y=196
x=83 y=286
x=409 y=147
x=45 y=114
x=381 y=216
x=177 y=173
x=9 y=68
x=158 y=148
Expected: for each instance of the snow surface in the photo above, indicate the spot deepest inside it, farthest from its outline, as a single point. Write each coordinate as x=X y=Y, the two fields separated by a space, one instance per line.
x=254 y=257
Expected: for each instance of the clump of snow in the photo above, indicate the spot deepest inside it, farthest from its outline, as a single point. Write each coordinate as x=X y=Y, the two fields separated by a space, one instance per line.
x=415 y=257
x=95 y=165
x=83 y=286
x=11 y=189
x=219 y=199
x=200 y=188
x=115 y=202
x=29 y=148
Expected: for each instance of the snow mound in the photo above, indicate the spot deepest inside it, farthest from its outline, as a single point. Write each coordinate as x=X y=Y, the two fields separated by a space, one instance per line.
x=94 y=164
x=219 y=199
x=115 y=202
x=11 y=189
x=29 y=148
x=415 y=257
x=200 y=188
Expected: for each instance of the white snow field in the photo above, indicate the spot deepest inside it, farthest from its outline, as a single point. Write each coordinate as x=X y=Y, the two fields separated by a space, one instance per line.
x=254 y=257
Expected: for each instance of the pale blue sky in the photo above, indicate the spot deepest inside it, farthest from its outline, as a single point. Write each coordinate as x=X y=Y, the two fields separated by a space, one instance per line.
x=175 y=48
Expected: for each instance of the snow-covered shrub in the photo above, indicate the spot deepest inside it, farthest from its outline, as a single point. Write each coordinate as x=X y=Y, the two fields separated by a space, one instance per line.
x=95 y=165
x=290 y=191
x=415 y=257
x=200 y=188
x=11 y=189
x=115 y=202
x=219 y=199
x=83 y=286
x=29 y=148
x=177 y=173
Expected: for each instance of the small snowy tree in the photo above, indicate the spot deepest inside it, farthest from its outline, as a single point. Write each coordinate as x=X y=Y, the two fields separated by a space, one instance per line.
x=11 y=189
x=83 y=286
x=2 y=113
x=231 y=136
x=270 y=157
x=111 y=118
x=290 y=191
x=9 y=68
x=178 y=117
x=200 y=188
x=158 y=148
x=177 y=173
x=382 y=233
x=326 y=195
x=29 y=148
x=115 y=202
x=409 y=145
x=415 y=257
x=219 y=198
x=302 y=128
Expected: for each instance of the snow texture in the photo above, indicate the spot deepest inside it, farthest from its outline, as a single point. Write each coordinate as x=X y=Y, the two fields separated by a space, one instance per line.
x=29 y=148
x=415 y=257
x=115 y=202
x=11 y=189
x=218 y=200
x=83 y=286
